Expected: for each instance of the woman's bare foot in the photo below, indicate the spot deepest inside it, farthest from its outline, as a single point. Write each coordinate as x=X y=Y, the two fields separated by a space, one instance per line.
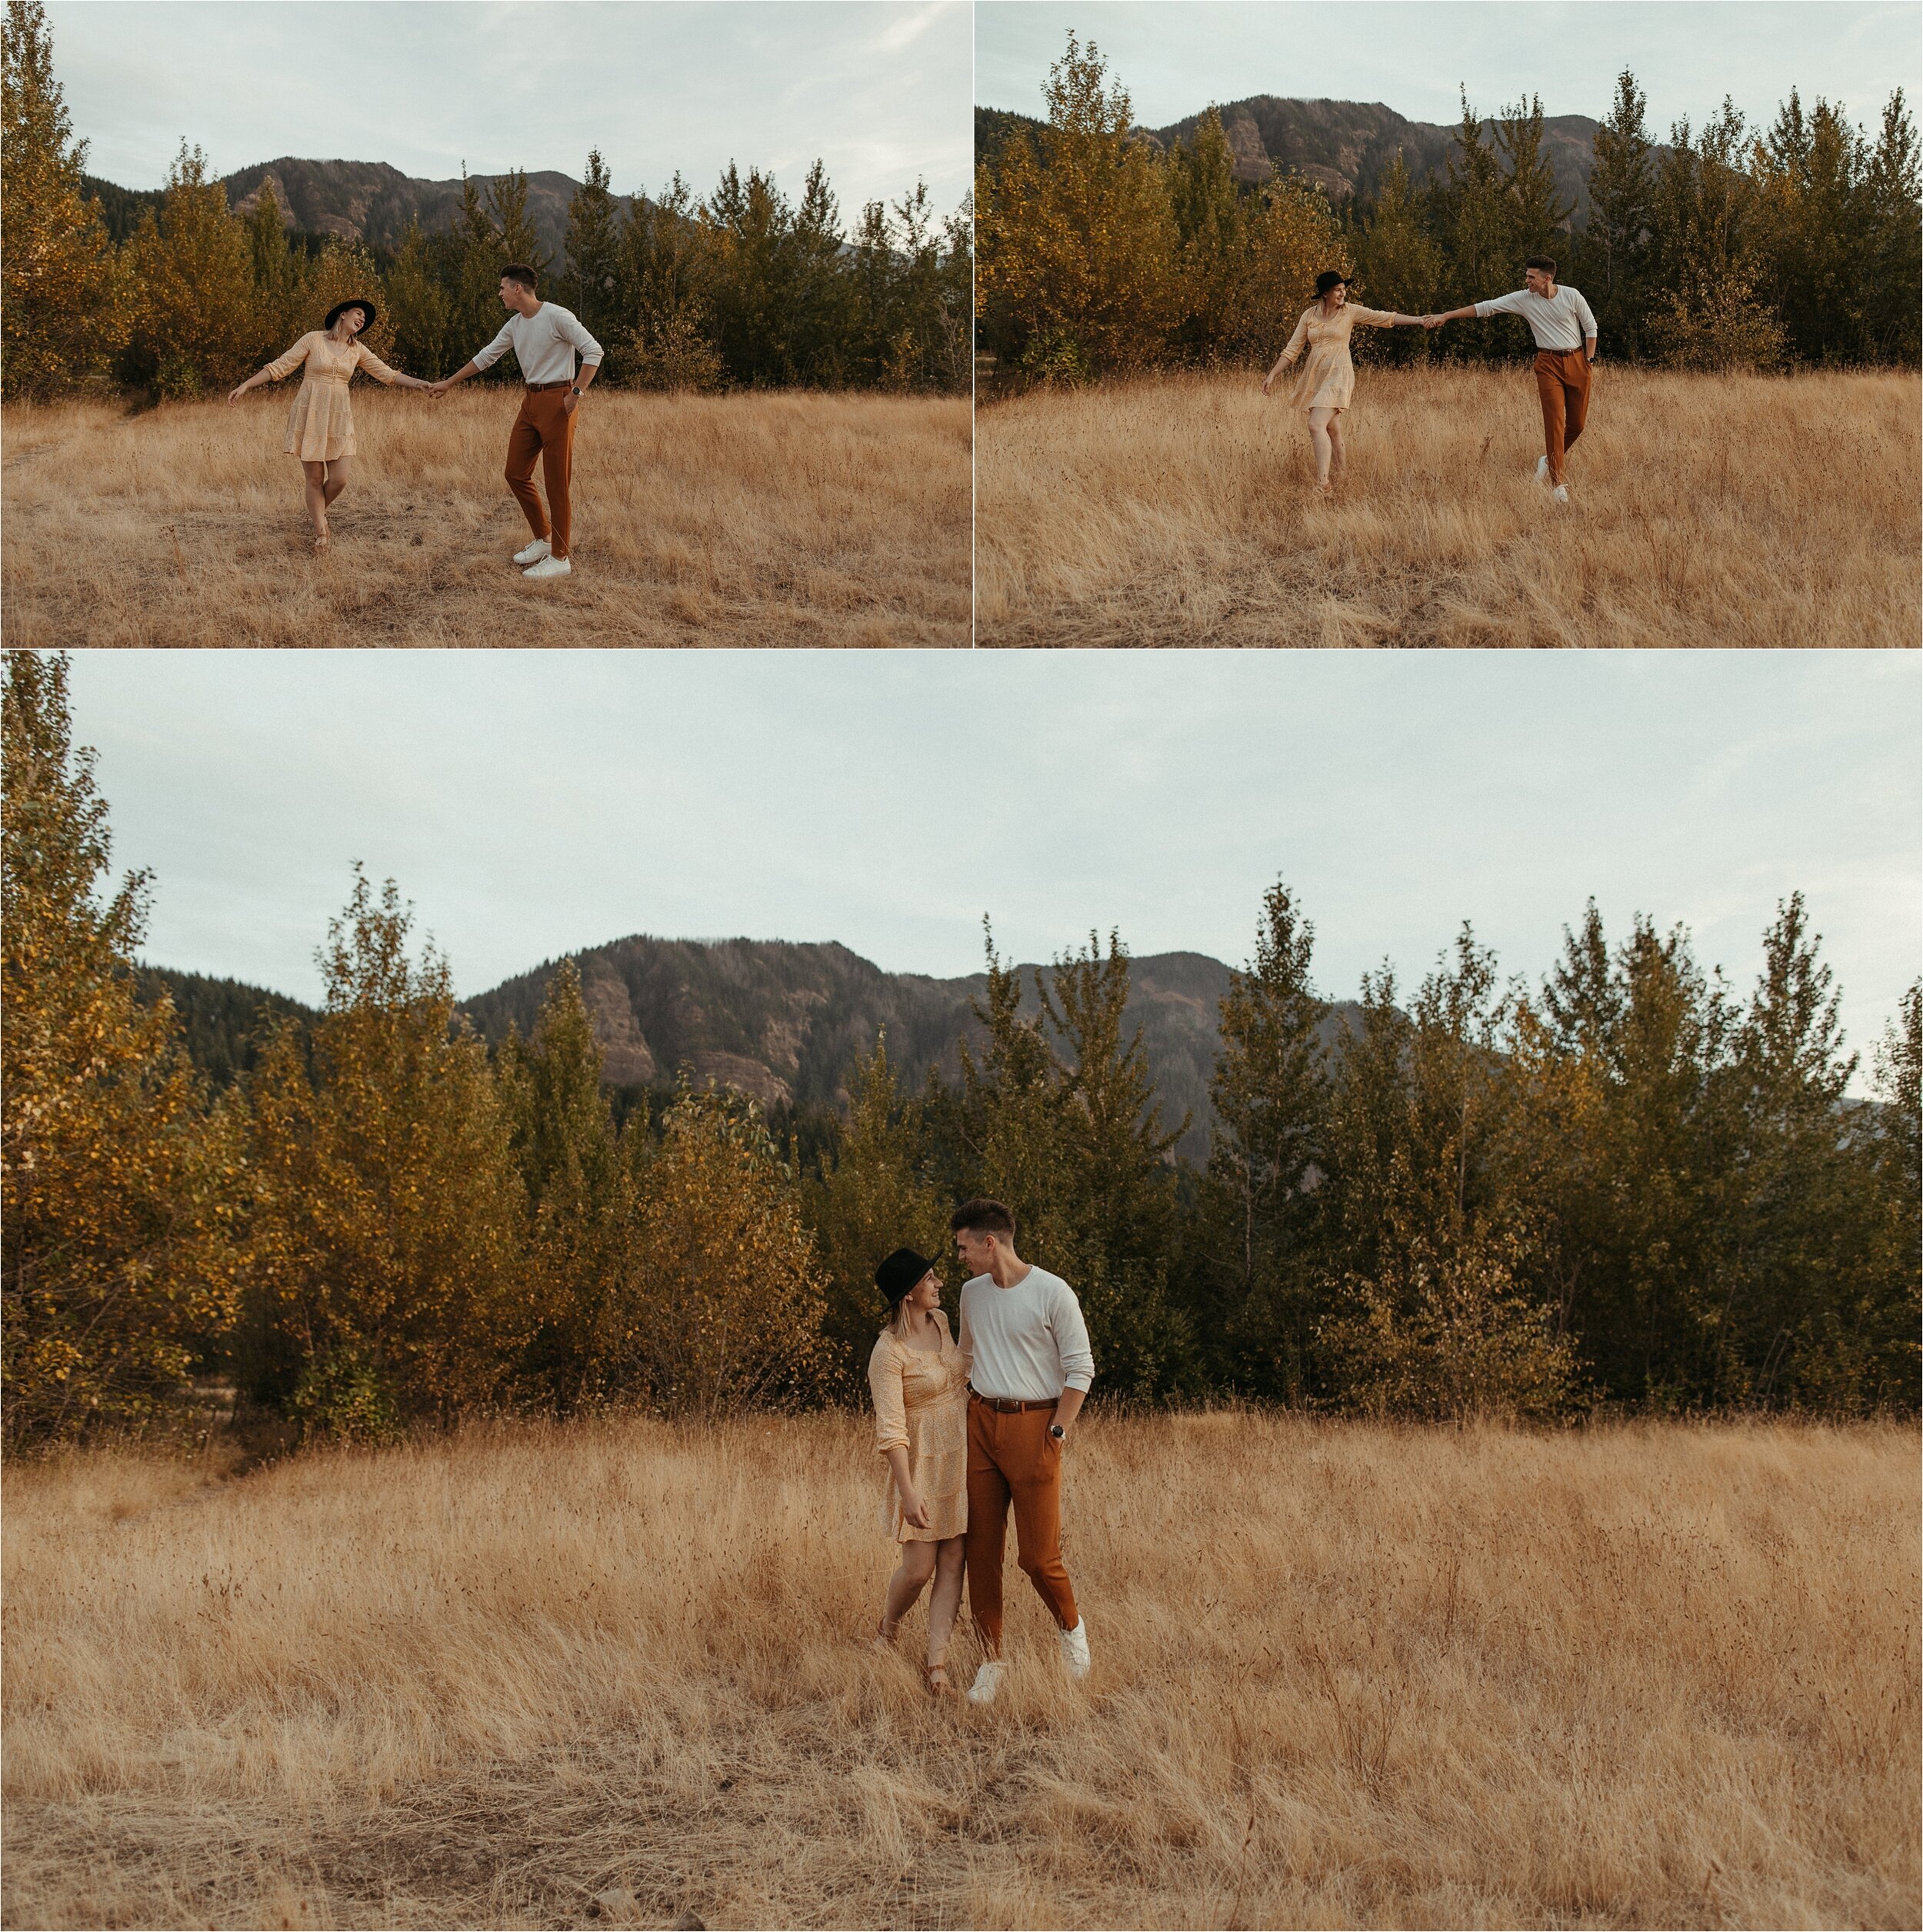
x=323 y=543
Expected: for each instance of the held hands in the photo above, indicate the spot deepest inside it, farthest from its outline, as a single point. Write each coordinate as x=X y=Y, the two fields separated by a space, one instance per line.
x=1433 y=322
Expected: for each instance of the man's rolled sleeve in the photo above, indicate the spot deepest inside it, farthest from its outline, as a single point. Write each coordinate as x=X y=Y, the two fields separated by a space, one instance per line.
x=1585 y=314
x=1071 y=1342
x=497 y=348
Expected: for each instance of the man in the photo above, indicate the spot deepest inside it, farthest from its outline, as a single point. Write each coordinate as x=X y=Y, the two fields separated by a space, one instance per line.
x=544 y=337
x=1032 y=1368
x=1565 y=332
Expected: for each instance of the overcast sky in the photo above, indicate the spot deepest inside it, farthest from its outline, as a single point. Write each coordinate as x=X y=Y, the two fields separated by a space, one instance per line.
x=1176 y=56
x=879 y=92
x=530 y=804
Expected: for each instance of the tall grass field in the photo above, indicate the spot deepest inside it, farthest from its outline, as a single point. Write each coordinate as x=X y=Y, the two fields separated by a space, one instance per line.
x=784 y=519
x=1705 y=511
x=1656 y=1675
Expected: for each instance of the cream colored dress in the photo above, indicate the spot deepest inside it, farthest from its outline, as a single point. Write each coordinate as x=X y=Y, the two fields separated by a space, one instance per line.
x=921 y=1405
x=1327 y=380
x=320 y=426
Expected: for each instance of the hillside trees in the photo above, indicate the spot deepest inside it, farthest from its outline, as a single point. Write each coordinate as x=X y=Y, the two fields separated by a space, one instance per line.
x=63 y=318
x=742 y=289
x=1102 y=254
x=119 y=1257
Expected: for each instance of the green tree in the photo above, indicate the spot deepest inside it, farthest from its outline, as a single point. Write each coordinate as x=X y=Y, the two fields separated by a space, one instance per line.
x=1116 y=1209
x=119 y=1255
x=63 y=316
x=420 y=308
x=280 y=304
x=1212 y=235
x=1612 y=256
x=579 y=1188
x=1539 y=216
x=667 y=336
x=1477 y=226
x=1267 y=1157
x=593 y=278
x=1892 y=268
x=1397 y=261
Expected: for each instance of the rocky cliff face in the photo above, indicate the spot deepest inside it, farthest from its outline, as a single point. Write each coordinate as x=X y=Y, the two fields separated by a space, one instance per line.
x=786 y=1023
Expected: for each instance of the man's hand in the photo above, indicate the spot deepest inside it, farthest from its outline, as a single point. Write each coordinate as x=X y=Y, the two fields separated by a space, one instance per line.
x=1432 y=322
x=569 y=403
x=915 y=1513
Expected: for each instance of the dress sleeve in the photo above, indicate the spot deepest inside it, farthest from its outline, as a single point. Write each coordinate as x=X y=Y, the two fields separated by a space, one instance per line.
x=375 y=366
x=1296 y=340
x=1374 y=318
x=884 y=1384
x=283 y=366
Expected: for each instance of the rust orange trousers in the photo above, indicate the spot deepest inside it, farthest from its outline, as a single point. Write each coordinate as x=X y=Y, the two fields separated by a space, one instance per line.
x=1562 y=382
x=543 y=431
x=1013 y=1459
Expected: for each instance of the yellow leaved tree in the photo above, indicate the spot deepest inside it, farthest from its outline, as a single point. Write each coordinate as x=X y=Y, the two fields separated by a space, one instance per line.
x=120 y=1177
x=387 y=1209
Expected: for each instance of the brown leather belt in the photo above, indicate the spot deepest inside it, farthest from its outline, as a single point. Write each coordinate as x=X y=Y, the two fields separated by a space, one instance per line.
x=536 y=387
x=1007 y=1404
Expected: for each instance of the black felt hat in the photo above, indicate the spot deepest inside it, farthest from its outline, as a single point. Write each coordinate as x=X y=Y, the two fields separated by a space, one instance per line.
x=902 y=1273
x=1327 y=279
x=339 y=309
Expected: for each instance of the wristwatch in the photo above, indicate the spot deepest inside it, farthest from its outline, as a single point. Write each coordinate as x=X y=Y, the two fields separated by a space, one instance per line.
x=574 y=389
x=1056 y=1429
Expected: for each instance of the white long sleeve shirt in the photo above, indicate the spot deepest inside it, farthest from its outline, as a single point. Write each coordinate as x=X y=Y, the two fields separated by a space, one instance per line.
x=1028 y=1341
x=544 y=344
x=1558 y=322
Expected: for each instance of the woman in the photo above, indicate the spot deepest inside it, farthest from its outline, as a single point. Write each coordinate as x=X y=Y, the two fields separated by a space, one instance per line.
x=320 y=427
x=919 y=1380
x=1327 y=380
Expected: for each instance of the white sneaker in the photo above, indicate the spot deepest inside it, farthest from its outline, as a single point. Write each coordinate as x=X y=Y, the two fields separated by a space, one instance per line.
x=551 y=567
x=1560 y=493
x=1542 y=472
x=987 y=1681
x=533 y=553
x=1074 y=1650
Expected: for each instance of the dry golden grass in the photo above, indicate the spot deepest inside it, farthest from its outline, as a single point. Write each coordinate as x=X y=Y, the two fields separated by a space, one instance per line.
x=1703 y=511
x=779 y=519
x=1657 y=1676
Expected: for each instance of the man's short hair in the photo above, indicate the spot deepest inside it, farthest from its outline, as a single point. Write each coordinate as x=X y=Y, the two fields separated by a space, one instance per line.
x=1546 y=263
x=519 y=271
x=982 y=1217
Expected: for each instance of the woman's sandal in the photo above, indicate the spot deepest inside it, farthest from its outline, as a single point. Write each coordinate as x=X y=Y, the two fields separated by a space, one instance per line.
x=935 y=1676
x=884 y=1637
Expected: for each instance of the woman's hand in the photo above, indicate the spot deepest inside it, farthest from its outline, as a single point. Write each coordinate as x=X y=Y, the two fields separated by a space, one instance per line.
x=234 y=394
x=1269 y=382
x=914 y=1512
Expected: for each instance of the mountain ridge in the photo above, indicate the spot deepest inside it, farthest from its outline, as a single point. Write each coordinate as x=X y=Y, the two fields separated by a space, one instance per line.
x=1346 y=146
x=370 y=201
